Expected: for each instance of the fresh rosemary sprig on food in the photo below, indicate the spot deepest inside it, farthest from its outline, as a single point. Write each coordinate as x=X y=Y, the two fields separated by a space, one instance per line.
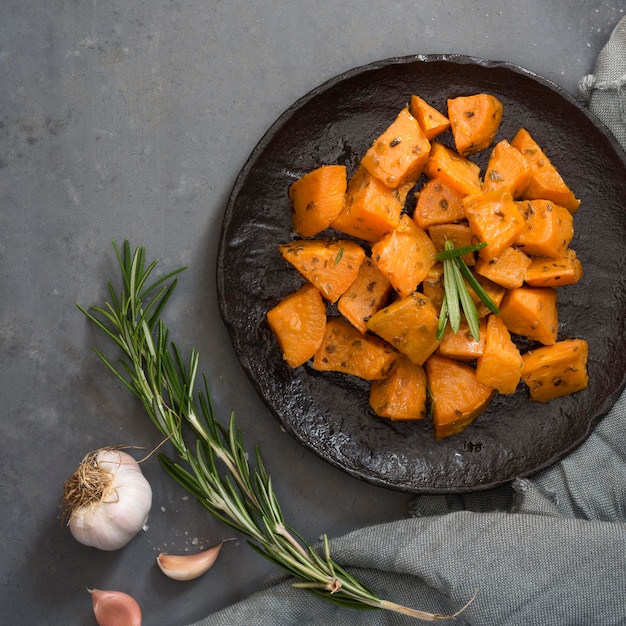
x=215 y=469
x=456 y=296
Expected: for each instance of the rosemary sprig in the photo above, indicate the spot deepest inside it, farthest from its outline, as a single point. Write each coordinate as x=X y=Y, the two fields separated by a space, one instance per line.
x=456 y=294
x=215 y=469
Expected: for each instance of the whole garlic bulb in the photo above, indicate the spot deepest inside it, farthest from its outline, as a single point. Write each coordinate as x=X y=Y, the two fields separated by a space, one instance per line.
x=108 y=499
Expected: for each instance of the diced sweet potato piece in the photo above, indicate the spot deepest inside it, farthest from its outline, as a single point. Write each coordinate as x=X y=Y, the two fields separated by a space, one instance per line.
x=508 y=270
x=455 y=170
x=556 y=371
x=549 y=228
x=438 y=203
x=531 y=312
x=402 y=394
x=330 y=265
x=495 y=292
x=547 y=272
x=459 y=234
x=404 y=256
x=366 y=295
x=462 y=345
x=299 y=321
x=507 y=169
x=457 y=395
x=432 y=286
x=409 y=325
x=398 y=155
x=494 y=218
x=345 y=349
x=545 y=181
x=500 y=365
x=474 y=121
x=432 y=121
x=317 y=199
x=371 y=209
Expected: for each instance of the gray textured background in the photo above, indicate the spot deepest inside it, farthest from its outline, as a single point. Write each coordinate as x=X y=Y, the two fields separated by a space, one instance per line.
x=131 y=120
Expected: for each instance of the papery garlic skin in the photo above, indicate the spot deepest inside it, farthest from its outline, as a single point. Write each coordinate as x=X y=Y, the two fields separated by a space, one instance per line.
x=122 y=511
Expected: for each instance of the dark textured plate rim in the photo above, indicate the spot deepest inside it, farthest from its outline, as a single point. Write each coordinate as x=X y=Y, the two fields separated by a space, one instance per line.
x=455 y=59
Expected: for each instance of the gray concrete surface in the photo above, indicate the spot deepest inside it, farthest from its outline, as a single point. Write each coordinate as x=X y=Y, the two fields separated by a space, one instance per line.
x=131 y=120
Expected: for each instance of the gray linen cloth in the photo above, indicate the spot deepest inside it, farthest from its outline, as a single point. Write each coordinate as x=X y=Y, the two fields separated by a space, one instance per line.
x=547 y=551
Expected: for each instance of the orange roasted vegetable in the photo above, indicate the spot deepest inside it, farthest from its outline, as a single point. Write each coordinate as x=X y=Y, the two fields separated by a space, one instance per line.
x=409 y=325
x=438 y=203
x=299 y=321
x=398 y=155
x=457 y=396
x=455 y=170
x=371 y=209
x=330 y=265
x=366 y=295
x=495 y=292
x=459 y=234
x=556 y=371
x=546 y=272
x=507 y=270
x=345 y=349
x=545 y=182
x=432 y=121
x=500 y=364
x=507 y=169
x=531 y=312
x=402 y=394
x=432 y=286
x=317 y=199
x=462 y=345
x=474 y=121
x=495 y=219
x=549 y=228
x=404 y=256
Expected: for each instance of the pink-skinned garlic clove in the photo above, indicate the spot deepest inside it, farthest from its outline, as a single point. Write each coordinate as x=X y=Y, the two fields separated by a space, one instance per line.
x=188 y=566
x=115 y=608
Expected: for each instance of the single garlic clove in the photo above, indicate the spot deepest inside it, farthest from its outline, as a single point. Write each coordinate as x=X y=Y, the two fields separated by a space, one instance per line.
x=115 y=608
x=188 y=566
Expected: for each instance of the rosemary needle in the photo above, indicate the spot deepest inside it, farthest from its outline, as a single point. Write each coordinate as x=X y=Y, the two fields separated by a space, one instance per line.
x=215 y=469
x=456 y=294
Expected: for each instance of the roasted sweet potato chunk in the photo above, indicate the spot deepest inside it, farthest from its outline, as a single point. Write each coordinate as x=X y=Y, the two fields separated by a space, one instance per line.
x=548 y=230
x=557 y=370
x=500 y=364
x=366 y=295
x=404 y=256
x=317 y=199
x=432 y=121
x=457 y=396
x=459 y=234
x=545 y=181
x=494 y=218
x=455 y=170
x=507 y=169
x=345 y=349
x=547 y=272
x=438 y=203
x=371 y=209
x=409 y=325
x=531 y=312
x=507 y=270
x=462 y=345
x=330 y=265
x=402 y=394
x=398 y=155
x=474 y=121
x=299 y=321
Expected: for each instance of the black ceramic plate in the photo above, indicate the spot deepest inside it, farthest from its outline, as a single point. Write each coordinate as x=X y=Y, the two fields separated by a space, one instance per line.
x=329 y=413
